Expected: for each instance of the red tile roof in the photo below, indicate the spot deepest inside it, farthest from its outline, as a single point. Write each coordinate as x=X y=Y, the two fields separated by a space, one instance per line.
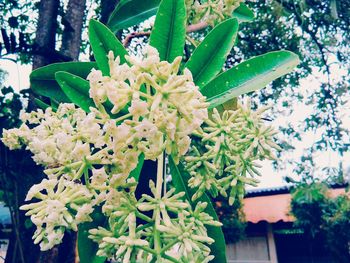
x=272 y=208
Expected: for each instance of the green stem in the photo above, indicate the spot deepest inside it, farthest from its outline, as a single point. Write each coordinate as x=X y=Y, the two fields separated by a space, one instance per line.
x=170 y=258
x=149 y=250
x=158 y=195
x=80 y=171
x=143 y=217
x=164 y=249
x=123 y=117
x=86 y=177
x=160 y=176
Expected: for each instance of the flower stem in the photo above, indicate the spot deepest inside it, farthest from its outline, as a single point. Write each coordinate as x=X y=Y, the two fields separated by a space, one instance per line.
x=158 y=195
x=160 y=170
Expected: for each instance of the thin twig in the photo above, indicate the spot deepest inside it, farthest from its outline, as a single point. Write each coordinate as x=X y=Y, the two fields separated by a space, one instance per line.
x=190 y=28
x=129 y=37
x=196 y=27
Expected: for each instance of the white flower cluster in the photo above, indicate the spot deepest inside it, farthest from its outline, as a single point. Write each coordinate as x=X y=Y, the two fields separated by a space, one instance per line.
x=63 y=205
x=212 y=11
x=88 y=158
x=163 y=107
x=231 y=143
x=56 y=138
x=160 y=238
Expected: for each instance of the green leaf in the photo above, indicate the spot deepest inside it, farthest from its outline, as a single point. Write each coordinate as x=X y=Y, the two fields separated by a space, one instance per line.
x=180 y=178
x=249 y=76
x=42 y=80
x=137 y=171
x=169 y=31
x=87 y=248
x=76 y=89
x=243 y=13
x=209 y=57
x=131 y=12
x=103 y=40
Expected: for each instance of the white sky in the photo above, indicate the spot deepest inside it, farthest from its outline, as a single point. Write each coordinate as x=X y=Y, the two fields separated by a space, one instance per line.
x=18 y=77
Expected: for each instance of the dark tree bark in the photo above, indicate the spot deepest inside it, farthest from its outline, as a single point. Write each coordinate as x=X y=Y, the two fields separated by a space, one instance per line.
x=45 y=53
x=73 y=23
x=46 y=32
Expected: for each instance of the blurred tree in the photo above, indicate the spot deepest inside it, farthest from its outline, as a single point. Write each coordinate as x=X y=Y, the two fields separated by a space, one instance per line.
x=43 y=32
x=319 y=32
x=233 y=219
x=324 y=218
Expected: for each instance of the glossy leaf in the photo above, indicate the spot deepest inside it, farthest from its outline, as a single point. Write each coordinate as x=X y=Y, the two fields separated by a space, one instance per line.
x=249 y=76
x=169 y=31
x=43 y=82
x=243 y=13
x=209 y=57
x=180 y=178
x=76 y=89
x=87 y=248
x=131 y=12
x=103 y=40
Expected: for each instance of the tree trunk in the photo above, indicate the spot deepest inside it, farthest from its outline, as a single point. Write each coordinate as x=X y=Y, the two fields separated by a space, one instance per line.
x=45 y=39
x=73 y=23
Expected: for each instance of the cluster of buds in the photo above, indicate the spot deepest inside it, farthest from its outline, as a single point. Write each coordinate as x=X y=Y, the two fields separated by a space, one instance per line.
x=62 y=205
x=160 y=237
x=212 y=11
x=163 y=107
x=56 y=138
x=226 y=158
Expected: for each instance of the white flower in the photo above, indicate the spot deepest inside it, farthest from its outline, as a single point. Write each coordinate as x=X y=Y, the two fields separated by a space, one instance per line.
x=83 y=213
x=145 y=129
x=80 y=150
x=138 y=108
x=11 y=139
x=54 y=212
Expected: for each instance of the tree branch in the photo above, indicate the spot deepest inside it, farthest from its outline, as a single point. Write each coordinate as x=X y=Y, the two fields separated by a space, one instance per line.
x=73 y=24
x=129 y=37
x=46 y=30
x=190 y=29
x=312 y=34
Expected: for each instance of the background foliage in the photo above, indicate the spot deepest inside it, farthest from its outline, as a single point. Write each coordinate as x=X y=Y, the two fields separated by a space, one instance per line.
x=323 y=217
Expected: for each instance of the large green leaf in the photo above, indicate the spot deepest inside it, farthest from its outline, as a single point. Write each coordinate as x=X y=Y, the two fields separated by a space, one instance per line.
x=102 y=41
x=76 y=89
x=249 y=75
x=87 y=248
x=243 y=13
x=43 y=81
x=209 y=57
x=169 y=31
x=180 y=178
x=131 y=12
